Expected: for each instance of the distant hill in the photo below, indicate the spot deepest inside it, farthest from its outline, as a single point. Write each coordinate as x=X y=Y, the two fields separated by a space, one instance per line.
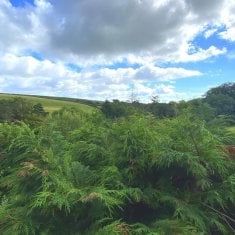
x=94 y=103
x=55 y=103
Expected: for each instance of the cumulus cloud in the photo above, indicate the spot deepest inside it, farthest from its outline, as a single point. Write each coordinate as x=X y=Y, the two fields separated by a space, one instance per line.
x=229 y=34
x=150 y=72
x=149 y=29
x=200 y=54
x=127 y=26
x=21 y=28
x=101 y=26
x=228 y=18
x=111 y=28
x=27 y=74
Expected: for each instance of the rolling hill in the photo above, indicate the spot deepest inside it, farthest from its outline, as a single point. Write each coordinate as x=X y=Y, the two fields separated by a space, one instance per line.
x=51 y=103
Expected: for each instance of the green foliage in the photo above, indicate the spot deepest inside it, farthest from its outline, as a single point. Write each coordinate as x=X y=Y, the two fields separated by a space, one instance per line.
x=117 y=109
x=162 y=110
x=225 y=89
x=80 y=173
x=202 y=110
x=222 y=98
x=39 y=110
x=18 y=109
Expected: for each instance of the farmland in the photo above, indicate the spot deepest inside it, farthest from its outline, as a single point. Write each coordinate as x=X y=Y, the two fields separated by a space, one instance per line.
x=50 y=104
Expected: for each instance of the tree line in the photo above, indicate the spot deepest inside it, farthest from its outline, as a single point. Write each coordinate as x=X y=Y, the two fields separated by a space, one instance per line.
x=217 y=102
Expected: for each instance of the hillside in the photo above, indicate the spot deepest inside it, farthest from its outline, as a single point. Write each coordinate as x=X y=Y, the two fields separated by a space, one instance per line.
x=50 y=103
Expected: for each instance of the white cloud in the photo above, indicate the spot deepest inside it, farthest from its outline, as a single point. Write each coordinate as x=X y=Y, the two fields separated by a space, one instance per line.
x=89 y=27
x=200 y=54
x=106 y=29
x=208 y=33
x=164 y=74
x=27 y=74
x=229 y=34
x=228 y=19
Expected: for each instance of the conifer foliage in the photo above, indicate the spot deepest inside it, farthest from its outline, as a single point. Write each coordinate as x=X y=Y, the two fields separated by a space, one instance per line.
x=82 y=174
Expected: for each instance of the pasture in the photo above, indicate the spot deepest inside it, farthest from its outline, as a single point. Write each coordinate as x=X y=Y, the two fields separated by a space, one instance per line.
x=51 y=105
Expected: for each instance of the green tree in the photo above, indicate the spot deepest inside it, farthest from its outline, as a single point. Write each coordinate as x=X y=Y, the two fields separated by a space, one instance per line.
x=162 y=110
x=117 y=109
x=222 y=98
x=39 y=110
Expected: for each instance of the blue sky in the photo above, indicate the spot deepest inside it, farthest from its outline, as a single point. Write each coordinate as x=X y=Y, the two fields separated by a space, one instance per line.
x=216 y=71
x=21 y=3
x=108 y=49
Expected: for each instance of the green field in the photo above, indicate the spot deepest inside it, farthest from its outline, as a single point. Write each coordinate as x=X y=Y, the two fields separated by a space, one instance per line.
x=50 y=105
x=232 y=129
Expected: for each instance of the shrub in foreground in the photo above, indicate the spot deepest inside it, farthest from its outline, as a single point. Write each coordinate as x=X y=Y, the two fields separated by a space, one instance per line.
x=87 y=175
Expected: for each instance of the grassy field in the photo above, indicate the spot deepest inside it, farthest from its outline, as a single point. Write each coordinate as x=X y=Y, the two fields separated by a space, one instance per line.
x=232 y=129
x=51 y=105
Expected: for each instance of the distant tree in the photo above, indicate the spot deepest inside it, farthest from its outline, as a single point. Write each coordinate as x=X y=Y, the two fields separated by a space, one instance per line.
x=16 y=109
x=223 y=104
x=222 y=98
x=133 y=96
x=155 y=99
x=202 y=109
x=5 y=111
x=227 y=89
x=19 y=109
x=117 y=109
x=39 y=110
x=162 y=110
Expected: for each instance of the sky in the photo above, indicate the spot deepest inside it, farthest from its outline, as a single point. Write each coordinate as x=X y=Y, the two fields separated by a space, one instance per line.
x=104 y=50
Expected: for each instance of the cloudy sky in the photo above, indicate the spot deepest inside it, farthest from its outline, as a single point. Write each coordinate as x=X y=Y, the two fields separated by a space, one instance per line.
x=103 y=49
